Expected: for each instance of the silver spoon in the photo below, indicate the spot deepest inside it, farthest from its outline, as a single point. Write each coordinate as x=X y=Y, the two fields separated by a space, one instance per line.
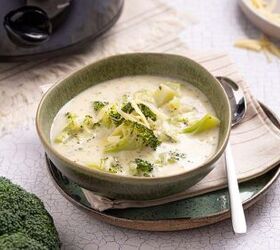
x=238 y=108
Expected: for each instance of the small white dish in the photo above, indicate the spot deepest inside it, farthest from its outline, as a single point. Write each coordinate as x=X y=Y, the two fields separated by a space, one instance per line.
x=264 y=24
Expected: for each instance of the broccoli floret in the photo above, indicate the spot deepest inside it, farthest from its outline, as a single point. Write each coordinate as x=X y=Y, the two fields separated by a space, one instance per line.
x=147 y=112
x=24 y=220
x=71 y=129
x=97 y=105
x=18 y=241
x=115 y=116
x=140 y=167
x=144 y=166
x=127 y=108
x=129 y=136
x=88 y=122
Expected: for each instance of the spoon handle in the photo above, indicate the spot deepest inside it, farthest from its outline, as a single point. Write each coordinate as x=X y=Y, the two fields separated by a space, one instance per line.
x=237 y=211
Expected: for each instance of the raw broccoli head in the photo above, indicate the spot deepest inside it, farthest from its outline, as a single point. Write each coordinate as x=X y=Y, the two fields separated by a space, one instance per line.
x=129 y=136
x=24 y=220
x=18 y=241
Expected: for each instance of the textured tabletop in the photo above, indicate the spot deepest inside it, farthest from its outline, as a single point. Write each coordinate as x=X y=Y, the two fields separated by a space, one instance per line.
x=145 y=26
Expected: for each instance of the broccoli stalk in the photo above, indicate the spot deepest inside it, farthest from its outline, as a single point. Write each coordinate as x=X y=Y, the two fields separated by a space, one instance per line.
x=129 y=136
x=207 y=122
x=24 y=222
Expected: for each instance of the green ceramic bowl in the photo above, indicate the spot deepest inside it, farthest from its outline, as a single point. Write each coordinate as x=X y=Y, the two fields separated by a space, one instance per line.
x=126 y=187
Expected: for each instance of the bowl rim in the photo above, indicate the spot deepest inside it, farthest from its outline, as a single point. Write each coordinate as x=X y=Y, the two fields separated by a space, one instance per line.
x=104 y=175
x=246 y=5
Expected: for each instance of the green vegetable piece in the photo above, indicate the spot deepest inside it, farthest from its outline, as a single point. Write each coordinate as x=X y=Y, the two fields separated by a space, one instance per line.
x=24 y=222
x=110 y=117
x=144 y=166
x=174 y=104
x=205 y=123
x=164 y=94
x=71 y=129
x=88 y=122
x=17 y=241
x=115 y=116
x=129 y=136
x=147 y=112
x=98 y=105
x=127 y=108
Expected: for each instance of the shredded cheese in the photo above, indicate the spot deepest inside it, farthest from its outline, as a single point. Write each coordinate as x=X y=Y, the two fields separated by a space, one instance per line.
x=260 y=45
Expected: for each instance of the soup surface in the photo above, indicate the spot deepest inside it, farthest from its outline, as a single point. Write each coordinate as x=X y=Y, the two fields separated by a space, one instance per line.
x=144 y=126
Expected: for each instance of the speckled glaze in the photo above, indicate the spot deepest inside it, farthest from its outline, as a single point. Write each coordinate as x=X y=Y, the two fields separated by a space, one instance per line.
x=125 y=187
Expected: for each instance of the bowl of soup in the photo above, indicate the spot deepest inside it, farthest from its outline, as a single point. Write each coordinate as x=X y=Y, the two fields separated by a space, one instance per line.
x=135 y=126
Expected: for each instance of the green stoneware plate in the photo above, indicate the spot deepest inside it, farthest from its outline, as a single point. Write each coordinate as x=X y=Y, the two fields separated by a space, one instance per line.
x=184 y=214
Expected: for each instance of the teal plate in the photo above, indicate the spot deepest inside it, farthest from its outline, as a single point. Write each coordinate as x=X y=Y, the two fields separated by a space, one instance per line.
x=184 y=214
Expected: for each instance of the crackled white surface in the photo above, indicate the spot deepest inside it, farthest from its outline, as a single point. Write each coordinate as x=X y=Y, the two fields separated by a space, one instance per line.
x=214 y=24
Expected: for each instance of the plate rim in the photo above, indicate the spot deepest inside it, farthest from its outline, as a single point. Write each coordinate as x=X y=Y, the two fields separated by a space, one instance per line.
x=172 y=224
x=247 y=10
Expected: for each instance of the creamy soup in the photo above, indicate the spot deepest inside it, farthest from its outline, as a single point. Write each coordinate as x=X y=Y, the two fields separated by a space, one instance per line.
x=145 y=126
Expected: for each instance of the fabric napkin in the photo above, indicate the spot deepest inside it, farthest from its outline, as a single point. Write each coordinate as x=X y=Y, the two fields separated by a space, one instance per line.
x=255 y=143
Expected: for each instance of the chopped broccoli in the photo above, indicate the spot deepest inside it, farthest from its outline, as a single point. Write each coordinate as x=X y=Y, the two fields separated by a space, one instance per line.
x=174 y=104
x=164 y=94
x=115 y=116
x=24 y=222
x=71 y=129
x=107 y=164
x=127 y=108
x=205 y=123
x=88 y=122
x=144 y=166
x=129 y=136
x=147 y=112
x=110 y=116
x=140 y=167
x=97 y=105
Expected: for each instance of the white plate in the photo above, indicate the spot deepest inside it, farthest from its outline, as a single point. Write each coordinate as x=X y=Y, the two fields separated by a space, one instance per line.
x=265 y=25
